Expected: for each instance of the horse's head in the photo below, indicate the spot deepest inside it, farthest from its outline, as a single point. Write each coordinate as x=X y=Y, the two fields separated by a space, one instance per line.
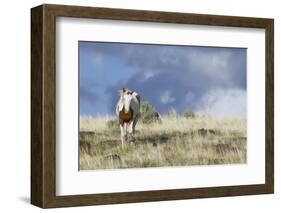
x=125 y=99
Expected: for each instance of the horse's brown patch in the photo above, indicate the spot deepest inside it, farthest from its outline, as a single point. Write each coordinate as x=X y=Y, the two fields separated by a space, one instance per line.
x=125 y=117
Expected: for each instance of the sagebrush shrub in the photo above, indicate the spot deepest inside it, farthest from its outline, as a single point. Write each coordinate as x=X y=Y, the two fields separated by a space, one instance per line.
x=148 y=114
x=189 y=114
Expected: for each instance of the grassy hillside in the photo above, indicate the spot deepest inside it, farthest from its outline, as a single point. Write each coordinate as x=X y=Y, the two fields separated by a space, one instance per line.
x=176 y=141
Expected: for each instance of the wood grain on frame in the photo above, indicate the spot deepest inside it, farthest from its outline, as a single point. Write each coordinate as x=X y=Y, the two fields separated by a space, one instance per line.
x=43 y=105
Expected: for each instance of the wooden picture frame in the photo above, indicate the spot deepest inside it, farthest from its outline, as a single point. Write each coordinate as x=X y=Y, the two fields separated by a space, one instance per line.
x=43 y=105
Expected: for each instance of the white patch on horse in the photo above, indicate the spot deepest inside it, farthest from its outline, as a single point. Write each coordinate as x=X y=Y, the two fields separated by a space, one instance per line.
x=127 y=111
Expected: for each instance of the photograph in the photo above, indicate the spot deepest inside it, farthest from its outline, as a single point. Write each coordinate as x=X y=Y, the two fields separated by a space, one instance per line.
x=161 y=105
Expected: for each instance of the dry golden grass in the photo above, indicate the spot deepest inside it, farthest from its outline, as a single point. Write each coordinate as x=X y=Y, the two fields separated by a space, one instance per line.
x=94 y=124
x=176 y=141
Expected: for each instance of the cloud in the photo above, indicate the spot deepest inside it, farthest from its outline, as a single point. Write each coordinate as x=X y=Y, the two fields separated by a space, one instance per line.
x=148 y=74
x=88 y=94
x=166 y=97
x=211 y=64
x=224 y=103
x=98 y=60
x=189 y=96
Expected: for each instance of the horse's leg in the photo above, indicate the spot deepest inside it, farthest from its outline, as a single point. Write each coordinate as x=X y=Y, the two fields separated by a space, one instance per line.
x=122 y=134
x=131 y=131
x=125 y=131
x=134 y=123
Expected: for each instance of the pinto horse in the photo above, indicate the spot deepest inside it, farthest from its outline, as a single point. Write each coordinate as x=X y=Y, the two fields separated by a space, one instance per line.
x=128 y=111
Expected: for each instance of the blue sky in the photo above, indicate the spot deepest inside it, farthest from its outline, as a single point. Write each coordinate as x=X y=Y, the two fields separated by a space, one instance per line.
x=202 y=79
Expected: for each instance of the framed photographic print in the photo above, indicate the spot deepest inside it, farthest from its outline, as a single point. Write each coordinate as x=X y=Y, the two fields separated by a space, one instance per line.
x=136 y=106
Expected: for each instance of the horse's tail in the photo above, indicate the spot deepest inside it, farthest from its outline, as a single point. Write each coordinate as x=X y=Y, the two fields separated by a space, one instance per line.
x=138 y=98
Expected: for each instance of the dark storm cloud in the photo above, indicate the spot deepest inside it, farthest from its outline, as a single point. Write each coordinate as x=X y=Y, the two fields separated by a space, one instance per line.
x=88 y=94
x=174 y=76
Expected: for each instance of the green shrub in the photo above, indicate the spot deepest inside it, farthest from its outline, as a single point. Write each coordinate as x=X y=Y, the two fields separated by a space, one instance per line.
x=148 y=114
x=189 y=114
